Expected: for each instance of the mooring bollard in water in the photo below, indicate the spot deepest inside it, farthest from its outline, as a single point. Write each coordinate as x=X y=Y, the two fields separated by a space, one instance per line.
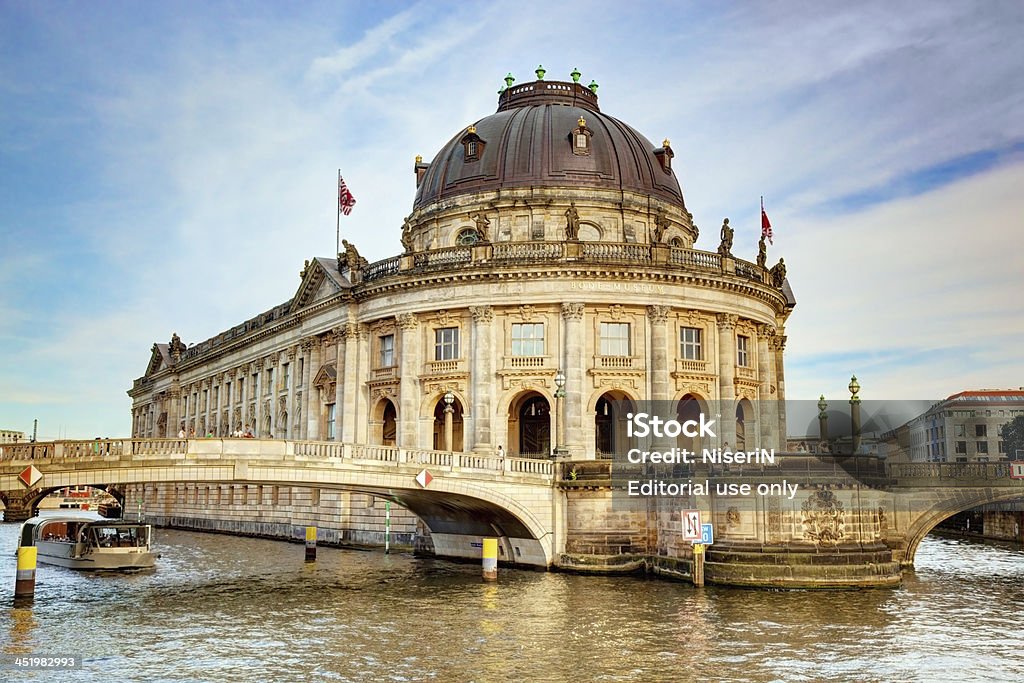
x=490 y=560
x=310 y=544
x=25 y=579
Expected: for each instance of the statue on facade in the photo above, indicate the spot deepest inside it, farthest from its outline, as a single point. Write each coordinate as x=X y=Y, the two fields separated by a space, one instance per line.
x=778 y=273
x=351 y=257
x=725 y=248
x=572 y=223
x=660 y=228
x=305 y=269
x=407 y=236
x=176 y=348
x=482 y=227
x=762 y=252
x=696 y=230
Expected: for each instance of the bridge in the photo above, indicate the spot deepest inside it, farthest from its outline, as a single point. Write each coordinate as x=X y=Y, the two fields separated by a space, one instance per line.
x=856 y=521
x=468 y=495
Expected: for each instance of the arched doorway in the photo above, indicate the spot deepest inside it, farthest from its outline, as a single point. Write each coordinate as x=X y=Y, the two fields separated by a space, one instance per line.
x=439 y=417
x=529 y=426
x=745 y=422
x=384 y=423
x=690 y=407
x=609 y=424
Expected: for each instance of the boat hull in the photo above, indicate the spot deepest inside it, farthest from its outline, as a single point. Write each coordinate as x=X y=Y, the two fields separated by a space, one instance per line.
x=77 y=556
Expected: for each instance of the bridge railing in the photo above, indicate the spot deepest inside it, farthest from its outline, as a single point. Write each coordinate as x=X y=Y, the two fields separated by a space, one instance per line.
x=275 y=449
x=949 y=470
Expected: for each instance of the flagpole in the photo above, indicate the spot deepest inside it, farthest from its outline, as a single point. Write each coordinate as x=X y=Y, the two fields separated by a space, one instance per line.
x=337 y=218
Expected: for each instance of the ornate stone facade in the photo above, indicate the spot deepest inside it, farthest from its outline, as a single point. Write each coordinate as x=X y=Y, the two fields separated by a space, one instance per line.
x=489 y=298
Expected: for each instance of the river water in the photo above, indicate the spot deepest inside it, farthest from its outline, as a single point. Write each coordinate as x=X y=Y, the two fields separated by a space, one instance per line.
x=220 y=608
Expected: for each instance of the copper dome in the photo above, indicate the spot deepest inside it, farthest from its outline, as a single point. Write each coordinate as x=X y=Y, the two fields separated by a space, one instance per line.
x=528 y=142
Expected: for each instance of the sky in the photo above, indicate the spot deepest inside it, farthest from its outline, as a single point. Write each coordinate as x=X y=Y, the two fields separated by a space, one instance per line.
x=168 y=167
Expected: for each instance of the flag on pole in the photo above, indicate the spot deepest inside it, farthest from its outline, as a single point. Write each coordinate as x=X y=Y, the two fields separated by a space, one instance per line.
x=766 y=225
x=345 y=199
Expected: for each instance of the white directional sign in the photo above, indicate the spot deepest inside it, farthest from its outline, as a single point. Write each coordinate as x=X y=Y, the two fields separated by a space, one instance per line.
x=1017 y=469
x=691 y=525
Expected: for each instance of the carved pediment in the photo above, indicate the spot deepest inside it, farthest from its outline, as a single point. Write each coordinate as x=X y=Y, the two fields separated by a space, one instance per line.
x=327 y=375
x=317 y=285
x=159 y=360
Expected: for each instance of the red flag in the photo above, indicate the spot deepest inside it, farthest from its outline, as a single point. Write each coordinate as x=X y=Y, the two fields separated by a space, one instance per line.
x=345 y=199
x=766 y=226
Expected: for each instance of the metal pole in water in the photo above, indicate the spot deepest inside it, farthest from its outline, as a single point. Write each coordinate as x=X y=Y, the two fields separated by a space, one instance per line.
x=25 y=578
x=490 y=560
x=387 y=527
x=310 y=544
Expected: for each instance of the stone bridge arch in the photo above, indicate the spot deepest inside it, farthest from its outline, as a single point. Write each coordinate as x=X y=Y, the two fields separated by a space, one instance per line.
x=958 y=501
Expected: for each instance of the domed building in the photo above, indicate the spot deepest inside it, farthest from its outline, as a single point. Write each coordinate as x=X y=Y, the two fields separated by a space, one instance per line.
x=548 y=275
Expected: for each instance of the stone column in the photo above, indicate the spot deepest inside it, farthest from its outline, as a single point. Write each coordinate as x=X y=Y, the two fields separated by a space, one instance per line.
x=242 y=382
x=658 y=369
x=311 y=347
x=173 y=408
x=778 y=345
x=766 y=408
x=275 y=381
x=340 y=341
x=293 y=379
x=726 y=378
x=256 y=368
x=575 y=375
x=408 y=390
x=481 y=378
x=348 y=383
x=362 y=395
x=208 y=390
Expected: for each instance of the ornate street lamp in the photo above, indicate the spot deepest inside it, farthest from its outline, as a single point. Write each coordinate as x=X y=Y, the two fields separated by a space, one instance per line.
x=854 y=387
x=823 y=419
x=560 y=450
x=449 y=399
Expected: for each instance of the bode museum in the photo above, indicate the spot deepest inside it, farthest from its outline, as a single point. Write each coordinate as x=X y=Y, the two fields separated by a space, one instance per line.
x=548 y=243
x=548 y=272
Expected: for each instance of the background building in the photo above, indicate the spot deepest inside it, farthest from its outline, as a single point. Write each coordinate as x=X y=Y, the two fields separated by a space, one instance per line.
x=966 y=427
x=11 y=436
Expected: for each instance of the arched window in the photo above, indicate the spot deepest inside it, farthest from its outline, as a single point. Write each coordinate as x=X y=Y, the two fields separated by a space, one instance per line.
x=467 y=237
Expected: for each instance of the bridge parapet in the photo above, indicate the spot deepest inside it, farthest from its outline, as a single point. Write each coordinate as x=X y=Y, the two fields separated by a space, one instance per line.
x=952 y=473
x=108 y=450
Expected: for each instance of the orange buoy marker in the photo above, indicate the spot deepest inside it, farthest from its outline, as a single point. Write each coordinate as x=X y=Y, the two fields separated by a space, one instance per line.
x=310 y=544
x=25 y=579
x=490 y=559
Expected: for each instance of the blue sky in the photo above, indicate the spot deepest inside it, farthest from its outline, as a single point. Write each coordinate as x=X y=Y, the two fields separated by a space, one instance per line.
x=168 y=167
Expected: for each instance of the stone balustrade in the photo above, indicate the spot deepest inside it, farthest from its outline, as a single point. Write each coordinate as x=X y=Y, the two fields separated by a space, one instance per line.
x=128 y=450
x=615 y=253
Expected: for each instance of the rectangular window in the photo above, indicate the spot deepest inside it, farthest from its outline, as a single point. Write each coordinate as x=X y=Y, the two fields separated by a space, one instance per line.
x=690 y=343
x=387 y=350
x=270 y=381
x=446 y=343
x=614 y=339
x=1002 y=446
x=980 y=430
x=302 y=371
x=330 y=422
x=286 y=378
x=743 y=351
x=960 y=430
x=982 y=446
x=961 y=446
x=527 y=339
x=241 y=389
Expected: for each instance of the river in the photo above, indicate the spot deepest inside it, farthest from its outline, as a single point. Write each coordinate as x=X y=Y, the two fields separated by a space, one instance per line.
x=221 y=608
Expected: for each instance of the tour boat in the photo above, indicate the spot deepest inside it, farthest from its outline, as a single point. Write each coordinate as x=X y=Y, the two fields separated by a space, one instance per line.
x=81 y=542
